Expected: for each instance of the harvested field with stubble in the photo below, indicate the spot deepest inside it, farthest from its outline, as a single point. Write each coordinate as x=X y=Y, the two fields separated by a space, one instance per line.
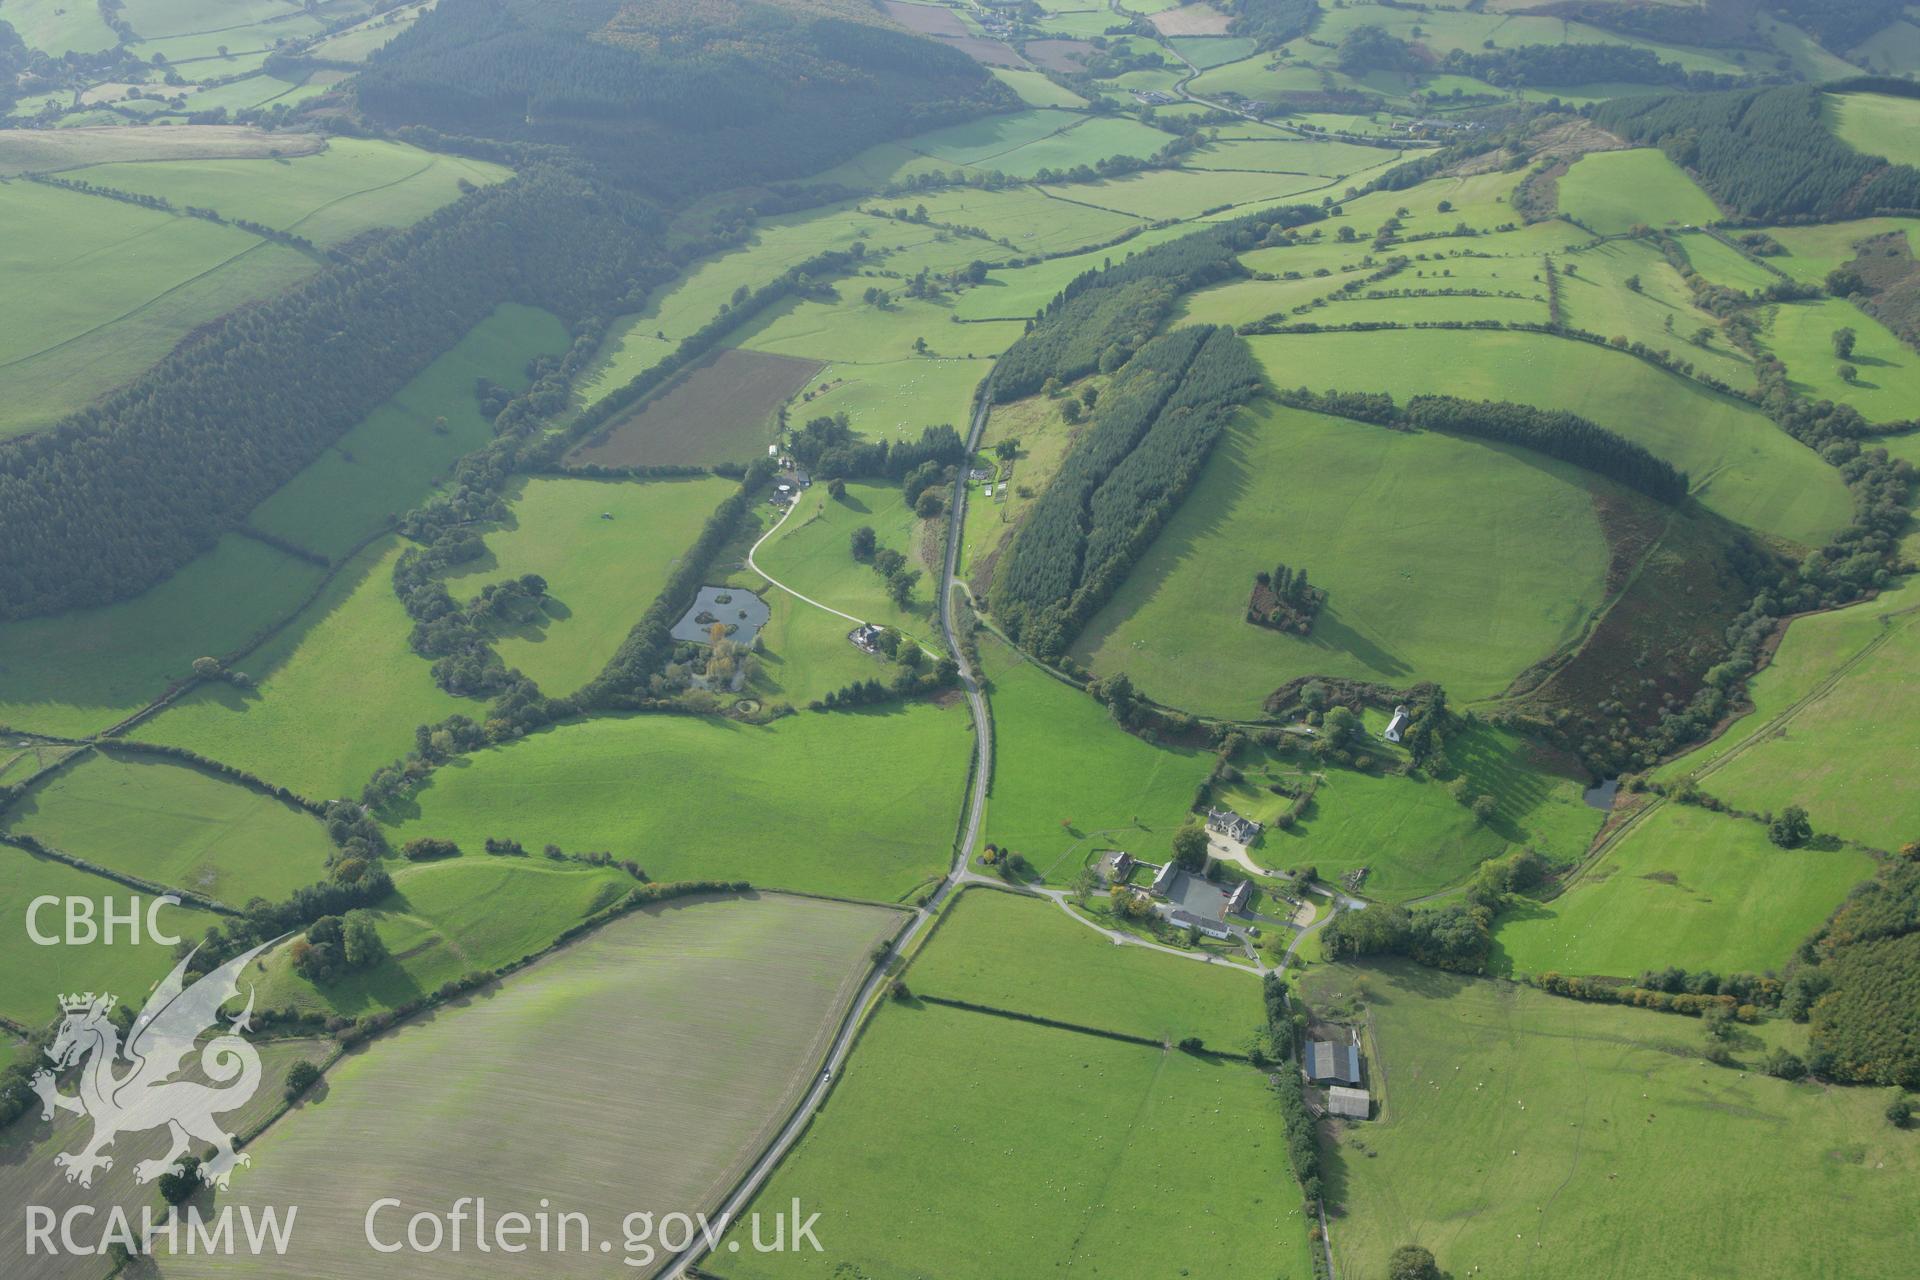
x=718 y=412
x=638 y=1070
x=1191 y=20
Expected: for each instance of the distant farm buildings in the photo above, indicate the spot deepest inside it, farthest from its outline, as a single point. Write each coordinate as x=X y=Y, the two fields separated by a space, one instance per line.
x=1329 y=1062
x=1232 y=825
x=1397 y=725
x=1115 y=866
x=1353 y=1104
x=1188 y=920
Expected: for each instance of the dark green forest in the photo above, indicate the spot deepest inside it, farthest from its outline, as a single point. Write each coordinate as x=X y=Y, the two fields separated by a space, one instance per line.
x=672 y=97
x=1152 y=429
x=1767 y=153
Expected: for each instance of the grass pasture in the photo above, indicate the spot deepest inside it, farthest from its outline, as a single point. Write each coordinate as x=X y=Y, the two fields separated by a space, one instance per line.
x=1027 y=955
x=1803 y=744
x=175 y=825
x=750 y=990
x=1033 y=220
x=98 y=290
x=720 y=411
x=1411 y=834
x=1886 y=386
x=445 y=920
x=1660 y=312
x=1116 y=1151
x=1612 y=191
x=897 y=399
x=329 y=196
x=79 y=673
x=52 y=150
x=1740 y=464
x=811 y=554
x=601 y=573
x=1813 y=251
x=1068 y=781
x=1415 y=594
x=858 y=804
x=1521 y=1133
x=336 y=693
x=1877 y=124
x=1685 y=887
x=37 y=975
x=391 y=461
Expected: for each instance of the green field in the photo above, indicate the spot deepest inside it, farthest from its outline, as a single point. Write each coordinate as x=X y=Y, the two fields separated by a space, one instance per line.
x=1886 y=387
x=327 y=197
x=446 y=920
x=177 y=826
x=1019 y=145
x=601 y=574
x=1877 y=124
x=856 y=804
x=1612 y=191
x=336 y=694
x=1416 y=593
x=811 y=554
x=1685 y=887
x=1740 y=464
x=636 y=341
x=898 y=398
x=1803 y=744
x=1409 y=832
x=1660 y=311
x=1126 y=1160
x=388 y=464
x=1029 y=956
x=98 y=290
x=38 y=975
x=80 y=673
x=1036 y=90
x=1814 y=251
x=595 y=1044
x=1030 y=220
x=1527 y=1135
x=1068 y=781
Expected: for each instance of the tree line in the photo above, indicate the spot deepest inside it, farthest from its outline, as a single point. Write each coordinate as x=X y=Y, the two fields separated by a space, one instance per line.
x=1151 y=432
x=1103 y=315
x=1562 y=65
x=1556 y=433
x=121 y=494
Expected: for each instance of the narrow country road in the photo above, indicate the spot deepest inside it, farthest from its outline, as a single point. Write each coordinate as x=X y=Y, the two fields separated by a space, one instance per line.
x=731 y=1208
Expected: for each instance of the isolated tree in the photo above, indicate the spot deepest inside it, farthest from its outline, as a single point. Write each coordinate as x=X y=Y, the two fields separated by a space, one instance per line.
x=361 y=941
x=1007 y=450
x=1412 y=1262
x=863 y=542
x=1848 y=374
x=1899 y=1112
x=1791 y=829
x=1843 y=340
x=1190 y=847
x=300 y=1078
x=207 y=668
x=177 y=1187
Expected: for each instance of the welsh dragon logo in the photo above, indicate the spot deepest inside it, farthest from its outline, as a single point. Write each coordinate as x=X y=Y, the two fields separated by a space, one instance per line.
x=129 y=1088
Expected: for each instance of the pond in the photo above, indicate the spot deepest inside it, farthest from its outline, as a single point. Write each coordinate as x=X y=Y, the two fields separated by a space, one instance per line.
x=741 y=611
x=1601 y=796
